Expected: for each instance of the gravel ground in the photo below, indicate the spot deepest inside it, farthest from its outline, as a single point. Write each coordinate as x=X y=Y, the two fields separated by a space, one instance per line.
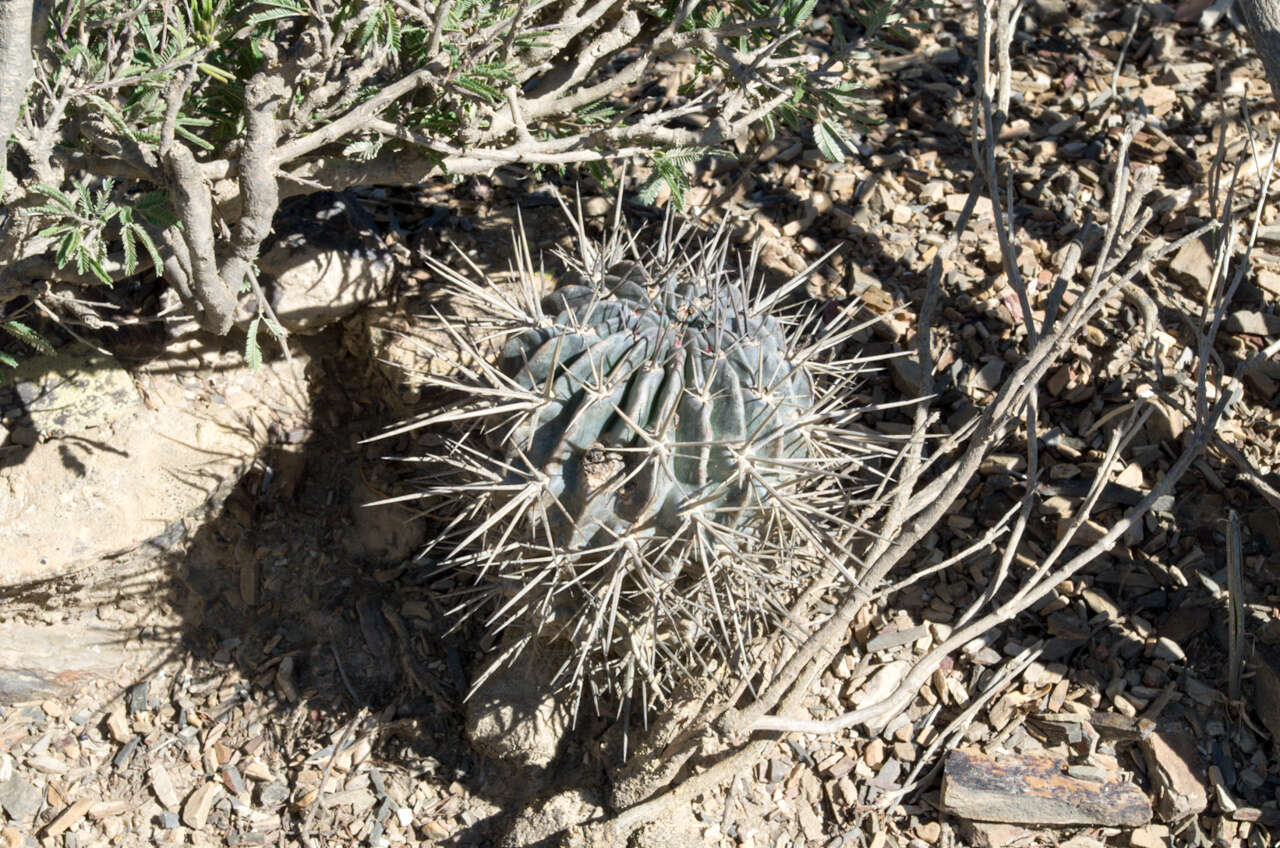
x=312 y=691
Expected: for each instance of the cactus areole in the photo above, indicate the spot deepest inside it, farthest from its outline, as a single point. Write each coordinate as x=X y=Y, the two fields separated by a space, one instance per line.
x=664 y=401
x=645 y=467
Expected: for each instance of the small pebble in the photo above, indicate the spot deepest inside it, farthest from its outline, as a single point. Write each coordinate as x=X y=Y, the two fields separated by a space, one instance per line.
x=69 y=817
x=1167 y=649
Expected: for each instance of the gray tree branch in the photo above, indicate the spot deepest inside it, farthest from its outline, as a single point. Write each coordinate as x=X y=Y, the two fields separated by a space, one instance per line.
x=1262 y=17
x=15 y=69
x=353 y=119
x=259 y=186
x=195 y=210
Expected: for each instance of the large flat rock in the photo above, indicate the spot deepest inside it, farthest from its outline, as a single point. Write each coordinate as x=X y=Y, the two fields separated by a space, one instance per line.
x=45 y=660
x=1028 y=789
x=100 y=459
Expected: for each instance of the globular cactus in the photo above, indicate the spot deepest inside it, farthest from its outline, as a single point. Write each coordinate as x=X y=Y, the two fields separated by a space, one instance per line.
x=666 y=399
x=643 y=468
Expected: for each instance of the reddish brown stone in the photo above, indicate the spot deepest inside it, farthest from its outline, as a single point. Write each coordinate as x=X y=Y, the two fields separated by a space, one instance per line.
x=1023 y=789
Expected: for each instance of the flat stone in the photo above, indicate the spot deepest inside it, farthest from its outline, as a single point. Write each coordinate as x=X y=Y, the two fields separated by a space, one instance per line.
x=38 y=661
x=163 y=786
x=1166 y=423
x=1188 y=622
x=1150 y=836
x=108 y=809
x=906 y=375
x=24 y=437
x=1193 y=265
x=1176 y=771
x=324 y=262
x=1250 y=322
x=1168 y=649
x=19 y=799
x=126 y=470
x=118 y=725
x=272 y=794
x=1036 y=790
x=76 y=389
x=69 y=817
x=1269 y=282
x=1051 y=13
x=987 y=378
x=1266 y=682
x=199 y=803
x=996 y=834
x=1262 y=383
x=317 y=286
x=894 y=637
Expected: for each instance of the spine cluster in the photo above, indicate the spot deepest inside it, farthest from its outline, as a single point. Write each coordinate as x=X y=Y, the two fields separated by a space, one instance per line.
x=653 y=467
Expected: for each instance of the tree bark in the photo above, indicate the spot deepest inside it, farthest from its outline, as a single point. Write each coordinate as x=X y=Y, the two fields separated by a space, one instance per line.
x=1262 y=17
x=15 y=70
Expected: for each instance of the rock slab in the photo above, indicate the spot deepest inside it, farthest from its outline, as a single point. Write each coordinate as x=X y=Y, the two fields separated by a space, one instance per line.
x=324 y=261
x=120 y=456
x=1037 y=790
x=116 y=458
x=1176 y=772
x=46 y=660
x=19 y=799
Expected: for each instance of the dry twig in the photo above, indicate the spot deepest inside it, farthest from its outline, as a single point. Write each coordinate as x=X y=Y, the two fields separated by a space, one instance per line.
x=917 y=504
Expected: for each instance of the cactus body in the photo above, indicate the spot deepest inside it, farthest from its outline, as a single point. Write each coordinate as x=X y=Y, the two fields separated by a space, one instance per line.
x=651 y=468
x=661 y=399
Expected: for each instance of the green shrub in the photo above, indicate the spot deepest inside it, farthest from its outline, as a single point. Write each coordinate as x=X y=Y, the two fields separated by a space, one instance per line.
x=166 y=134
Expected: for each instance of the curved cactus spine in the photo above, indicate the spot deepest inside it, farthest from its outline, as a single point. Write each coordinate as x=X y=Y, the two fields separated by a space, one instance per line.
x=654 y=464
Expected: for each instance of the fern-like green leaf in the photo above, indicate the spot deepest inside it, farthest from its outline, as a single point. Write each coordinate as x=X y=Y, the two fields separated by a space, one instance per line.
x=149 y=245
x=67 y=248
x=26 y=335
x=112 y=114
x=278 y=332
x=648 y=193
x=130 y=249
x=95 y=267
x=797 y=12
x=827 y=143
x=252 y=351
x=58 y=196
x=479 y=87
x=277 y=9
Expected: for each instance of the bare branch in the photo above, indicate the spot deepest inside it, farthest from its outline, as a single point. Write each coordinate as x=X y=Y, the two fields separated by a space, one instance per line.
x=443 y=8
x=195 y=209
x=15 y=70
x=259 y=187
x=353 y=119
x=1262 y=17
